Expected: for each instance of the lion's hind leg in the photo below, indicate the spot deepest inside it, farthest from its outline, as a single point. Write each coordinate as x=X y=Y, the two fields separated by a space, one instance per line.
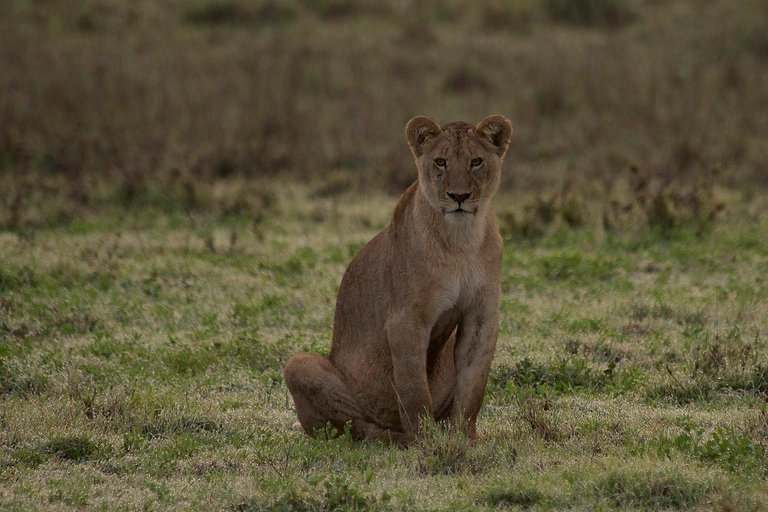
x=321 y=396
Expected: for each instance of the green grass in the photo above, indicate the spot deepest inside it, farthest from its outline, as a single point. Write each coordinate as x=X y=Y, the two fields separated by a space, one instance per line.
x=140 y=367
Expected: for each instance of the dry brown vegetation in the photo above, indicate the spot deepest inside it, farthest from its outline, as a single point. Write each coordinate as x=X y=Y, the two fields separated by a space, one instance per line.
x=135 y=102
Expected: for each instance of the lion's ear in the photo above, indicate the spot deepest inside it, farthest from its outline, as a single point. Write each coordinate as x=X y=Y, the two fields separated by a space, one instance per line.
x=498 y=131
x=420 y=131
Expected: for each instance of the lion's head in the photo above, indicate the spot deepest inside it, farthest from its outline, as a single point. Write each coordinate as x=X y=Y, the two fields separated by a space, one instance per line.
x=459 y=164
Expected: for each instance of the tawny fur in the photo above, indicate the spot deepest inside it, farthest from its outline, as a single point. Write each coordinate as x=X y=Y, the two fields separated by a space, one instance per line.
x=417 y=313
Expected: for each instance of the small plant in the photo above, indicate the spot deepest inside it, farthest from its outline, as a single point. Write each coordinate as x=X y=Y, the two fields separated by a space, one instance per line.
x=562 y=207
x=21 y=380
x=571 y=265
x=649 y=487
x=536 y=412
x=513 y=494
x=73 y=448
x=608 y=13
x=442 y=450
x=514 y=15
x=342 y=494
x=732 y=450
x=217 y=13
x=668 y=205
x=562 y=377
x=28 y=456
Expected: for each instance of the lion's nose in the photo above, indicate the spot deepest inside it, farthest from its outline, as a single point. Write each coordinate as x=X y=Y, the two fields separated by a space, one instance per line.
x=459 y=198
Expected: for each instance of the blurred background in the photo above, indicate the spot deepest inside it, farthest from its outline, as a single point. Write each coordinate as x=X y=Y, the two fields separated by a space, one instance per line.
x=204 y=103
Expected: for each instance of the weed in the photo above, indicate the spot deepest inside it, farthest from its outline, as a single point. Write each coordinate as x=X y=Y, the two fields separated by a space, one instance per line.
x=609 y=13
x=514 y=15
x=29 y=457
x=290 y=499
x=668 y=206
x=16 y=278
x=544 y=211
x=732 y=450
x=177 y=426
x=536 y=412
x=73 y=448
x=567 y=266
x=514 y=494
x=442 y=450
x=73 y=492
x=565 y=376
x=189 y=361
x=22 y=380
x=648 y=486
x=218 y=13
x=342 y=494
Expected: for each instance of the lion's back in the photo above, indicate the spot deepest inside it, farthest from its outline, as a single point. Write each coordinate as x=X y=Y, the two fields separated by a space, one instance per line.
x=363 y=300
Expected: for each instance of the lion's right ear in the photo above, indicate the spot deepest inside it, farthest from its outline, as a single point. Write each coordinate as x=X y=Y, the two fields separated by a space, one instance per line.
x=420 y=131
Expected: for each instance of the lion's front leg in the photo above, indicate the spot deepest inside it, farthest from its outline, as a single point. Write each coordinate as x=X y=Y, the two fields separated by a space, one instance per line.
x=408 y=342
x=475 y=346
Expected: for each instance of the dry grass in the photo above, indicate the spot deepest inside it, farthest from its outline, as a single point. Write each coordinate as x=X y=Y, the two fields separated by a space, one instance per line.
x=108 y=100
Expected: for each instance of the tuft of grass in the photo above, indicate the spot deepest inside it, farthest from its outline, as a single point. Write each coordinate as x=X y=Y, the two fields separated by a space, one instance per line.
x=230 y=13
x=647 y=485
x=188 y=361
x=343 y=494
x=12 y=279
x=248 y=349
x=507 y=15
x=514 y=494
x=178 y=427
x=565 y=376
x=604 y=13
x=572 y=266
x=21 y=380
x=442 y=450
x=733 y=451
x=73 y=448
x=29 y=457
x=668 y=206
x=536 y=412
x=545 y=211
x=322 y=492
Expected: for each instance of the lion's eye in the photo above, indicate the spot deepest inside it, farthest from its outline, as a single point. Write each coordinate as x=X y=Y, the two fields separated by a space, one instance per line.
x=476 y=161
x=440 y=162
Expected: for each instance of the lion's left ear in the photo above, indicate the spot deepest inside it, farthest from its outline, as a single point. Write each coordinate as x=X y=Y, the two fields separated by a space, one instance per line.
x=498 y=131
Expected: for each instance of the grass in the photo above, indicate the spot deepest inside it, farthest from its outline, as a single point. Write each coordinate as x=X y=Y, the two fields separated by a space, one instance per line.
x=183 y=185
x=147 y=356
x=594 y=87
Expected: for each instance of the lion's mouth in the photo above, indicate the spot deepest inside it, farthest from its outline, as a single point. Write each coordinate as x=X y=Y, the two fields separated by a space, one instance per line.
x=460 y=211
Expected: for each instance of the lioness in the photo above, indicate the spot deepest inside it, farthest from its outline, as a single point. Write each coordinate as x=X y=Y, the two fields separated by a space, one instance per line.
x=417 y=314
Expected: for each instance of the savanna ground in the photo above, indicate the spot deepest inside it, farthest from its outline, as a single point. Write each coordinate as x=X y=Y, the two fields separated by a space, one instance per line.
x=183 y=185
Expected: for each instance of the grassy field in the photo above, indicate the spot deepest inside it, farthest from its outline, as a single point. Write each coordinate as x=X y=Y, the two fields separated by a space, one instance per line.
x=142 y=355
x=182 y=185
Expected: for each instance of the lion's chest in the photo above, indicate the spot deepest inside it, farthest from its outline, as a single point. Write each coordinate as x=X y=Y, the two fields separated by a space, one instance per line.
x=458 y=285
